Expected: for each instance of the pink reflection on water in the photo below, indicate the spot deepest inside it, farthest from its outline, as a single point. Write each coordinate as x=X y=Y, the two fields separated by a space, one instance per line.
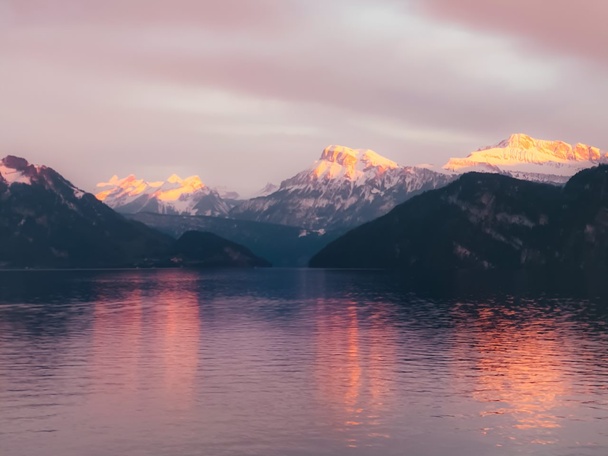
x=131 y=337
x=519 y=373
x=355 y=383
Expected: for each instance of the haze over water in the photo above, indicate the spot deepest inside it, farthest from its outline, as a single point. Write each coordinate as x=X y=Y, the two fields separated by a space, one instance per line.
x=295 y=362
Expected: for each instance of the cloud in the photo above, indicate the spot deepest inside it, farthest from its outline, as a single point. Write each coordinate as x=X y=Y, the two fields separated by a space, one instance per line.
x=224 y=89
x=574 y=28
x=258 y=15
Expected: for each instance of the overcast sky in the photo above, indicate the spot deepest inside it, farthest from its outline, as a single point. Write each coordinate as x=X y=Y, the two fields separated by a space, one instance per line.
x=242 y=92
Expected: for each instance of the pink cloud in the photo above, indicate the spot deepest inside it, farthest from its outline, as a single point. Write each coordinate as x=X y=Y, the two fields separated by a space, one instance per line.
x=574 y=27
x=133 y=82
x=259 y=14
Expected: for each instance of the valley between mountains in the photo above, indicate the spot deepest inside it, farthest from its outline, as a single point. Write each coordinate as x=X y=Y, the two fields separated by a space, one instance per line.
x=510 y=205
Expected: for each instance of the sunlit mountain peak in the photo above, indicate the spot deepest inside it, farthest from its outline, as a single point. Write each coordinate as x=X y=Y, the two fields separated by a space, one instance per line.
x=343 y=188
x=174 y=179
x=351 y=157
x=353 y=164
x=521 y=152
x=174 y=196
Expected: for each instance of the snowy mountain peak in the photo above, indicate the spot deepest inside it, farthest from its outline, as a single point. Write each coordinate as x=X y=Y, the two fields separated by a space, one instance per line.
x=339 y=162
x=346 y=156
x=170 y=190
x=520 y=150
x=174 y=196
x=15 y=170
x=344 y=188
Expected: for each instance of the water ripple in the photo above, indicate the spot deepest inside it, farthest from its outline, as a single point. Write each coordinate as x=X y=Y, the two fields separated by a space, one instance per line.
x=295 y=363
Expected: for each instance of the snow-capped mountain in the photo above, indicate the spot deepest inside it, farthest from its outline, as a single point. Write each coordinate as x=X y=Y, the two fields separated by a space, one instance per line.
x=344 y=188
x=174 y=196
x=17 y=170
x=527 y=158
x=46 y=221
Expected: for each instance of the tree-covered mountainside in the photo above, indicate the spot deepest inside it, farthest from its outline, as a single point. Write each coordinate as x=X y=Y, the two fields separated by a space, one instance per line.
x=202 y=249
x=284 y=246
x=485 y=221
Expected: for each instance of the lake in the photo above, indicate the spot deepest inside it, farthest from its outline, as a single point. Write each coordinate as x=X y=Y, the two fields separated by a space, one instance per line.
x=298 y=362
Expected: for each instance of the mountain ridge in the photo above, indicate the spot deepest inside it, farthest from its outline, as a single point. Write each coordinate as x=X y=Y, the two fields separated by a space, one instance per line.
x=344 y=187
x=486 y=221
x=47 y=222
x=172 y=196
x=521 y=150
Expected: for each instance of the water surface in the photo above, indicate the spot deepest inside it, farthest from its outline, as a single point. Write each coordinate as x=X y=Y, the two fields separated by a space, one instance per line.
x=296 y=362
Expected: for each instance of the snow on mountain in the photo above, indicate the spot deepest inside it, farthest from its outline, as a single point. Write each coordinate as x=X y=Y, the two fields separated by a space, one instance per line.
x=266 y=190
x=344 y=188
x=527 y=158
x=47 y=222
x=179 y=196
x=16 y=170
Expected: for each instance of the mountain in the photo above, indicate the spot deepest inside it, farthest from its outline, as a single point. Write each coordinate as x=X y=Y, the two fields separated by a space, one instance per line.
x=284 y=246
x=344 y=188
x=479 y=221
x=527 y=158
x=486 y=221
x=203 y=249
x=582 y=231
x=173 y=196
x=267 y=190
x=45 y=221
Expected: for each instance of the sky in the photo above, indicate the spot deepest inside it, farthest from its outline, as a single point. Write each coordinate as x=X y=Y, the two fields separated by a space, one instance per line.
x=245 y=92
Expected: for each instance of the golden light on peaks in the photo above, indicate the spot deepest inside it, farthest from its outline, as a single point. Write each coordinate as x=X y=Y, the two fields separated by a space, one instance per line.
x=103 y=195
x=182 y=187
x=129 y=188
x=351 y=164
x=520 y=149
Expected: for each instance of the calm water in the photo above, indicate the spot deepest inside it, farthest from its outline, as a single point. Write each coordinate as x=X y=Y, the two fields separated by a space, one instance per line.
x=295 y=362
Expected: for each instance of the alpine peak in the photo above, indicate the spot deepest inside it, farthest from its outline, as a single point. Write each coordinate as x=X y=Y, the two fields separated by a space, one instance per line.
x=520 y=149
x=173 y=196
x=351 y=164
x=342 y=189
x=17 y=170
x=351 y=157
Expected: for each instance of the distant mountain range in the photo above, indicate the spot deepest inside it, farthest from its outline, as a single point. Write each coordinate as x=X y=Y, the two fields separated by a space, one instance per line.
x=46 y=222
x=347 y=187
x=486 y=221
x=173 y=196
x=482 y=219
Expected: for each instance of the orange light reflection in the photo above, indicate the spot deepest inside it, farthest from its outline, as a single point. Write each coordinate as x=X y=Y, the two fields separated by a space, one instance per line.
x=520 y=372
x=355 y=383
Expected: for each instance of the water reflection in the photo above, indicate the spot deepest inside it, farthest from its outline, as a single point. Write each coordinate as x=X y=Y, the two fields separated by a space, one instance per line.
x=179 y=319
x=131 y=336
x=116 y=344
x=286 y=363
x=520 y=369
x=352 y=369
